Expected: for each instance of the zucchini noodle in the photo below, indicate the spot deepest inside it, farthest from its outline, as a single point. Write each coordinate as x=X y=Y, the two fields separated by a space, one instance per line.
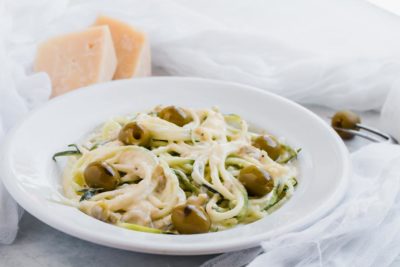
x=197 y=163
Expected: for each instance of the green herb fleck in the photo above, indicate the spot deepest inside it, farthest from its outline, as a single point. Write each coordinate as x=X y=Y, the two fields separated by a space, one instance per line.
x=68 y=152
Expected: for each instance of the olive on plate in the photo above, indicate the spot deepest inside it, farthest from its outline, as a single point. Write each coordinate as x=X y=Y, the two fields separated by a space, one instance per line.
x=269 y=144
x=101 y=175
x=174 y=115
x=258 y=182
x=134 y=134
x=190 y=219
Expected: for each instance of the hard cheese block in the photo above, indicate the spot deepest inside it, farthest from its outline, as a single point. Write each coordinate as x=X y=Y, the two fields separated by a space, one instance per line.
x=131 y=46
x=77 y=59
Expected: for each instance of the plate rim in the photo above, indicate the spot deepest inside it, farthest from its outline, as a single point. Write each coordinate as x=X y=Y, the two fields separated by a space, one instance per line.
x=219 y=247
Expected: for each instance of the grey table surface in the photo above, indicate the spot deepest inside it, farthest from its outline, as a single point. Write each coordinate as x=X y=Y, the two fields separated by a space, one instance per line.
x=39 y=245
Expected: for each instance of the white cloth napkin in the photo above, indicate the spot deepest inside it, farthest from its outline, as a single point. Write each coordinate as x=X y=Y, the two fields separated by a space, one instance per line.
x=363 y=230
x=18 y=93
x=312 y=51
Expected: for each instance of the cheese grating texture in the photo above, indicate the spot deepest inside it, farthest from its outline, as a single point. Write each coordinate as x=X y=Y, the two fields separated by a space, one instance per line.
x=77 y=59
x=131 y=46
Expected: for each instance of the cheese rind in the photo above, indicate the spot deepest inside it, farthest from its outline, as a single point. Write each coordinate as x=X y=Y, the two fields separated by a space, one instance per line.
x=132 y=48
x=77 y=59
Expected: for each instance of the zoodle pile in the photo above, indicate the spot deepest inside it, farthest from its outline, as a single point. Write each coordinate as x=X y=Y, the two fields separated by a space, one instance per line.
x=177 y=170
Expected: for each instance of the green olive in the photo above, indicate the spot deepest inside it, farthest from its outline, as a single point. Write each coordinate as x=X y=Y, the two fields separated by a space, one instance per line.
x=258 y=182
x=346 y=120
x=134 y=134
x=101 y=175
x=190 y=219
x=269 y=144
x=175 y=115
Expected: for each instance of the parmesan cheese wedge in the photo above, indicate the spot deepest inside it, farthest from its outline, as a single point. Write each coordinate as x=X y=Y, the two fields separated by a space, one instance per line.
x=77 y=59
x=132 y=48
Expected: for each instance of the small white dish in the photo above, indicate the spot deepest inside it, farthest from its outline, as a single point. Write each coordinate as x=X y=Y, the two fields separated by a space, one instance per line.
x=33 y=179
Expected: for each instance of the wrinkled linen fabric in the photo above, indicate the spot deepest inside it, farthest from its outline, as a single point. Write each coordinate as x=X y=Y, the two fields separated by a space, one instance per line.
x=363 y=230
x=312 y=51
x=390 y=114
x=340 y=54
x=19 y=92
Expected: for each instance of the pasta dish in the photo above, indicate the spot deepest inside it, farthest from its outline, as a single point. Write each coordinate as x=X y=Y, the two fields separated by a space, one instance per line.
x=175 y=170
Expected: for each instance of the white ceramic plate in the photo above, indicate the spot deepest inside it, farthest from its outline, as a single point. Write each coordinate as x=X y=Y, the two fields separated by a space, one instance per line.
x=33 y=178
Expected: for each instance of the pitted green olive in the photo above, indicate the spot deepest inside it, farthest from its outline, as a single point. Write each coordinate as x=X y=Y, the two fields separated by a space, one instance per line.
x=101 y=175
x=346 y=120
x=190 y=219
x=134 y=134
x=258 y=182
x=269 y=144
x=174 y=115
